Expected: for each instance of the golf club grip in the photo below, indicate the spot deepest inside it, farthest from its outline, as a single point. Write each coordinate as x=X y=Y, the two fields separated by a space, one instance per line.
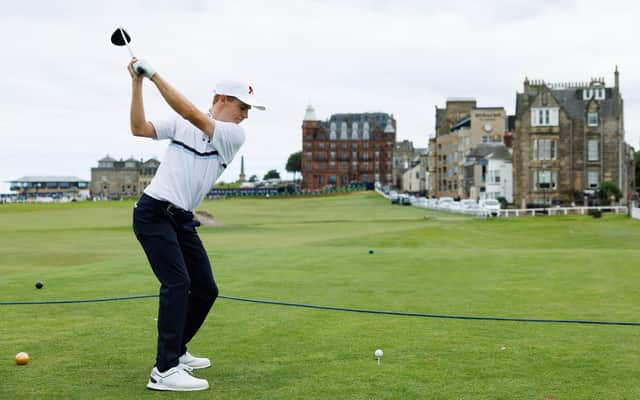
x=140 y=70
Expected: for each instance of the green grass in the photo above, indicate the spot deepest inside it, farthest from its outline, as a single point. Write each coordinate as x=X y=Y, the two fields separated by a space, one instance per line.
x=315 y=250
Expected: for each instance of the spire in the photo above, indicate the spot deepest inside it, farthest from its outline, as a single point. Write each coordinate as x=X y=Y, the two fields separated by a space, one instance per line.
x=242 y=177
x=310 y=114
x=617 y=76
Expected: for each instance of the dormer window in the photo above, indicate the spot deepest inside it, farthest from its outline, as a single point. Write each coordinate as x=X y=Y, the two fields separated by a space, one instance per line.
x=599 y=93
x=365 y=131
x=332 y=132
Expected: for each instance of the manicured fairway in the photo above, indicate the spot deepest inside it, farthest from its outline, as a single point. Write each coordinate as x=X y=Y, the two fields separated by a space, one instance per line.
x=315 y=251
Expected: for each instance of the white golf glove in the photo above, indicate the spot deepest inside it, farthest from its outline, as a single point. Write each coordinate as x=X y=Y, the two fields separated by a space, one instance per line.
x=142 y=67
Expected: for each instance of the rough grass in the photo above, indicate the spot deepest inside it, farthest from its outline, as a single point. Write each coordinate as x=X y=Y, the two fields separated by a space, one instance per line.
x=315 y=250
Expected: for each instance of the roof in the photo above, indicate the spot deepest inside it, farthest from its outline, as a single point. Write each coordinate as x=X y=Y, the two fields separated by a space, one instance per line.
x=376 y=119
x=50 y=179
x=107 y=158
x=571 y=100
x=486 y=149
x=500 y=152
x=461 y=123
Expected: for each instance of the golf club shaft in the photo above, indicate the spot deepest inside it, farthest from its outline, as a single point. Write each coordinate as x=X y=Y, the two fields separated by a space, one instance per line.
x=126 y=42
x=124 y=38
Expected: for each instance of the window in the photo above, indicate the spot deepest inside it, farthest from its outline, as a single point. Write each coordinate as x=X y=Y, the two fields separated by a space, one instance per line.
x=592 y=119
x=545 y=180
x=332 y=154
x=544 y=116
x=593 y=153
x=600 y=94
x=544 y=149
x=354 y=155
x=332 y=164
x=593 y=177
x=332 y=145
x=321 y=145
x=332 y=179
x=321 y=179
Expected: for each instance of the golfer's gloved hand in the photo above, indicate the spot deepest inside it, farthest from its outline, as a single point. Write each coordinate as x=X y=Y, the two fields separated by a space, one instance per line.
x=142 y=67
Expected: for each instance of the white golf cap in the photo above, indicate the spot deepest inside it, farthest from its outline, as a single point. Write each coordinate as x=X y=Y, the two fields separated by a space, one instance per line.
x=239 y=90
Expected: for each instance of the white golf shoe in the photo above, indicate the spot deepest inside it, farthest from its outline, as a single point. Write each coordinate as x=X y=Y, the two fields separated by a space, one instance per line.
x=194 y=362
x=177 y=379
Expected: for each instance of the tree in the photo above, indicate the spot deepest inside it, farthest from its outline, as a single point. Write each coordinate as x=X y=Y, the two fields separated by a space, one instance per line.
x=253 y=178
x=608 y=189
x=637 y=158
x=272 y=174
x=294 y=163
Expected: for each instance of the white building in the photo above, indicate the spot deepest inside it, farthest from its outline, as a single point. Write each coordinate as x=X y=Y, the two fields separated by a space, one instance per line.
x=499 y=177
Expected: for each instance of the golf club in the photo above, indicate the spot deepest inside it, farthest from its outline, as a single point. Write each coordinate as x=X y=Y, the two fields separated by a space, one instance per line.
x=120 y=37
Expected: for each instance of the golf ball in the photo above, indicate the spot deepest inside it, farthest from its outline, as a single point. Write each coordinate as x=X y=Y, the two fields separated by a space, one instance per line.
x=378 y=353
x=22 y=358
x=39 y=285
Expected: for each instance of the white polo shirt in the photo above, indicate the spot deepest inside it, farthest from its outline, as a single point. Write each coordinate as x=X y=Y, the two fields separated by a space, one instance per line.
x=192 y=163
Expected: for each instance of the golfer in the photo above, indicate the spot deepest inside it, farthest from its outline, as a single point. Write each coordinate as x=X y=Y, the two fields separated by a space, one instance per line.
x=201 y=146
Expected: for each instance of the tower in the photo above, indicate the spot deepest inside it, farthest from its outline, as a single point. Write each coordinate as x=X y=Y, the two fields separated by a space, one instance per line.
x=241 y=179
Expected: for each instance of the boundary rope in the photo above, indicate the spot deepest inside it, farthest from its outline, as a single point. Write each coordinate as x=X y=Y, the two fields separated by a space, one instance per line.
x=345 y=309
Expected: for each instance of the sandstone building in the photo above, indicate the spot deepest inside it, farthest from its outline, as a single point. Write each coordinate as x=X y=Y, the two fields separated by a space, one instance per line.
x=569 y=138
x=114 y=179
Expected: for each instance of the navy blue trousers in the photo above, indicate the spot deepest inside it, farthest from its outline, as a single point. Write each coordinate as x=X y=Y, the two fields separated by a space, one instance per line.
x=178 y=259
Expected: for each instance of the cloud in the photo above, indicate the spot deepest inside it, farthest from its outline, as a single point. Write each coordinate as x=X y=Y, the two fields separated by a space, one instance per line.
x=66 y=91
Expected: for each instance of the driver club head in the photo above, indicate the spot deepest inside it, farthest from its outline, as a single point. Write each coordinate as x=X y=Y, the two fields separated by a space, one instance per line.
x=120 y=37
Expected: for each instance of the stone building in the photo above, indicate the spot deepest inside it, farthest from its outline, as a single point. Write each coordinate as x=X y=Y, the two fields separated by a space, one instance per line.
x=113 y=179
x=460 y=127
x=403 y=155
x=569 y=138
x=347 y=148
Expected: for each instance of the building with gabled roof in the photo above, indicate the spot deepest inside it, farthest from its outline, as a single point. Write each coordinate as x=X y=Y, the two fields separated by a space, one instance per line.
x=569 y=138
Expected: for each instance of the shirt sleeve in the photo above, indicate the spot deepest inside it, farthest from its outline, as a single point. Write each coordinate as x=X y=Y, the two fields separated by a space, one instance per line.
x=165 y=129
x=227 y=139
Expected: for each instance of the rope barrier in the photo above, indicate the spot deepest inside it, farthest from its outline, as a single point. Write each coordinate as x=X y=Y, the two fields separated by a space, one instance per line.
x=345 y=309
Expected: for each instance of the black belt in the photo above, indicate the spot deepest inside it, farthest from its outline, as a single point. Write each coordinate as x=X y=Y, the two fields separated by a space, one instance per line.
x=166 y=205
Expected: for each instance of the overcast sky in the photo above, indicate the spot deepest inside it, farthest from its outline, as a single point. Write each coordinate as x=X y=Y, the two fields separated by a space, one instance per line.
x=65 y=91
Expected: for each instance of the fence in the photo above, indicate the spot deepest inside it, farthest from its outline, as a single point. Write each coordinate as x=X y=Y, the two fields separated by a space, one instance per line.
x=506 y=213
